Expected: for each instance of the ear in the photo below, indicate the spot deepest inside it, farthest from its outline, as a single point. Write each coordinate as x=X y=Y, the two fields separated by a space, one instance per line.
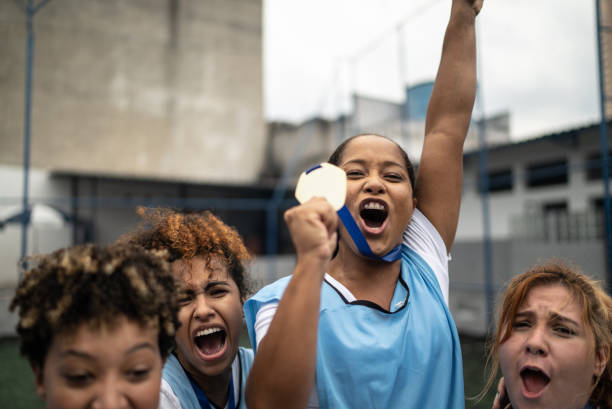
x=601 y=359
x=39 y=384
x=414 y=202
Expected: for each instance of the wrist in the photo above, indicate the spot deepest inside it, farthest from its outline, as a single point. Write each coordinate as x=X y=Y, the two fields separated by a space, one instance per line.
x=463 y=12
x=311 y=265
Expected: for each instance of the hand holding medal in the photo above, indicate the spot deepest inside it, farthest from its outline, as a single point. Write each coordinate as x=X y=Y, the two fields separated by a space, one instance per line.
x=329 y=181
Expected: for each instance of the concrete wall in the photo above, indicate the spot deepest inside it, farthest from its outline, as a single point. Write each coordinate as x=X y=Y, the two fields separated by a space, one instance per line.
x=169 y=89
x=606 y=21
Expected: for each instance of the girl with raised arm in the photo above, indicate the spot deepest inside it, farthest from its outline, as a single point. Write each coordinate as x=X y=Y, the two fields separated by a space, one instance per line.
x=355 y=330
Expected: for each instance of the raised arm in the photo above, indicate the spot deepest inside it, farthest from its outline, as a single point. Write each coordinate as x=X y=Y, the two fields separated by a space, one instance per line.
x=283 y=373
x=440 y=175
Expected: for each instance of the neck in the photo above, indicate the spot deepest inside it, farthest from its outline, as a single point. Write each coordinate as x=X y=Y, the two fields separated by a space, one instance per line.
x=215 y=387
x=366 y=279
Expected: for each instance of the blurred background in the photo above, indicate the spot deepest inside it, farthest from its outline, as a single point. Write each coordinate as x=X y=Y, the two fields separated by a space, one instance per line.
x=106 y=105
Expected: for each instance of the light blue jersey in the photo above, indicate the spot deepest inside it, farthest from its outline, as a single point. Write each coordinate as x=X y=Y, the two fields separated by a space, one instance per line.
x=182 y=394
x=367 y=357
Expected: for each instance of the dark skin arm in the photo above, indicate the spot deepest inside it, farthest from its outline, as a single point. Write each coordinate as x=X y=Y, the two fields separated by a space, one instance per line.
x=440 y=174
x=283 y=373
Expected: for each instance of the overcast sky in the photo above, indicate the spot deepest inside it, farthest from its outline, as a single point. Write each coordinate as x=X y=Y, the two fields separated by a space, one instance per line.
x=537 y=58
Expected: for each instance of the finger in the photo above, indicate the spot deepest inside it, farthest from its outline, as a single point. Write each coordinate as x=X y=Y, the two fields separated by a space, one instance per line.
x=328 y=215
x=501 y=397
x=333 y=239
x=501 y=387
x=497 y=402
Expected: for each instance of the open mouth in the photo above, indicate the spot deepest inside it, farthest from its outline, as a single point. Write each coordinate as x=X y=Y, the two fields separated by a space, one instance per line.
x=373 y=213
x=211 y=341
x=534 y=381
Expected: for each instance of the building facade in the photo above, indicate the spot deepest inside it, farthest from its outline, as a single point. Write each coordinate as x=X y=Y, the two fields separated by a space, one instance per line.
x=163 y=89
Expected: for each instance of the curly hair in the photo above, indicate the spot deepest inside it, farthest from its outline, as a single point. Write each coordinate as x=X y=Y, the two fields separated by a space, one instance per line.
x=596 y=308
x=93 y=285
x=187 y=235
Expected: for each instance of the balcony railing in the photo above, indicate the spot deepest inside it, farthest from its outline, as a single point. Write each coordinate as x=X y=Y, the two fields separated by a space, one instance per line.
x=558 y=226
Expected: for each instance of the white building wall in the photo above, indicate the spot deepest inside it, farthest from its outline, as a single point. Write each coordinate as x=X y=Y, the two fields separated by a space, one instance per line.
x=506 y=206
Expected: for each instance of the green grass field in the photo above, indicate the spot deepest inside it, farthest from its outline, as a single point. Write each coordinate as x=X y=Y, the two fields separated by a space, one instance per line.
x=16 y=379
x=17 y=382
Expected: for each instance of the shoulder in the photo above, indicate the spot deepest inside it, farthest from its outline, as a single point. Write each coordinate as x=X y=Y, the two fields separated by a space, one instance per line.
x=246 y=356
x=167 y=398
x=270 y=293
x=173 y=371
x=424 y=240
x=277 y=288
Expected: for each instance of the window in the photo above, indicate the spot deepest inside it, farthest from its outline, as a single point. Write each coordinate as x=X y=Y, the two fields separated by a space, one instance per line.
x=554 y=208
x=598 y=205
x=598 y=217
x=499 y=181
x=556 y=220
x=547 y=173
x=594 y=166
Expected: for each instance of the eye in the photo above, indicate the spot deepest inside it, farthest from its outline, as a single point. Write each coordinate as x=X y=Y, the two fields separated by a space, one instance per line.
x=79 y=379
x=138 y=374
x=521 y=324
x=185 y=298
x=394 y=177
x=563 y=330
x=218 y=292
x=354 y=173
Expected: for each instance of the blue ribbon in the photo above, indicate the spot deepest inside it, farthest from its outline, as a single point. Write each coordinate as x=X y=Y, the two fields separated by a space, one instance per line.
x=361 y=242
x=358 y=237
x=312 y=168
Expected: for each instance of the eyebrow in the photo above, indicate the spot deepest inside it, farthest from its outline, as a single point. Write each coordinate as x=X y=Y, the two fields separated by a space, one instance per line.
x=78 y=354
x=89 y=357
x=554 y=316
x=557 y=317
x=211 y=284
x=363 y=162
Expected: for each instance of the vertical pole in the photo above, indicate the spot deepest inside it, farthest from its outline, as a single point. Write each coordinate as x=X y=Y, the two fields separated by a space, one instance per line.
x=603 y=142
x=486 y=220
x=30 y=11
x=74 y=192
x=483 y=168
x=25 y=214
x=271 y=229
x=272 y=238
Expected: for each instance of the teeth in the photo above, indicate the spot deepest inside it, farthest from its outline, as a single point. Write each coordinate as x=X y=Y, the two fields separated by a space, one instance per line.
x=207 y=331
x=374 y=206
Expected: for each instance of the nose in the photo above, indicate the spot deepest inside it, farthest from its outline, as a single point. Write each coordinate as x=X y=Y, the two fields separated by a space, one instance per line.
x=536 y=343
x=111 y=396
x=374 y=184
x=203 y=309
